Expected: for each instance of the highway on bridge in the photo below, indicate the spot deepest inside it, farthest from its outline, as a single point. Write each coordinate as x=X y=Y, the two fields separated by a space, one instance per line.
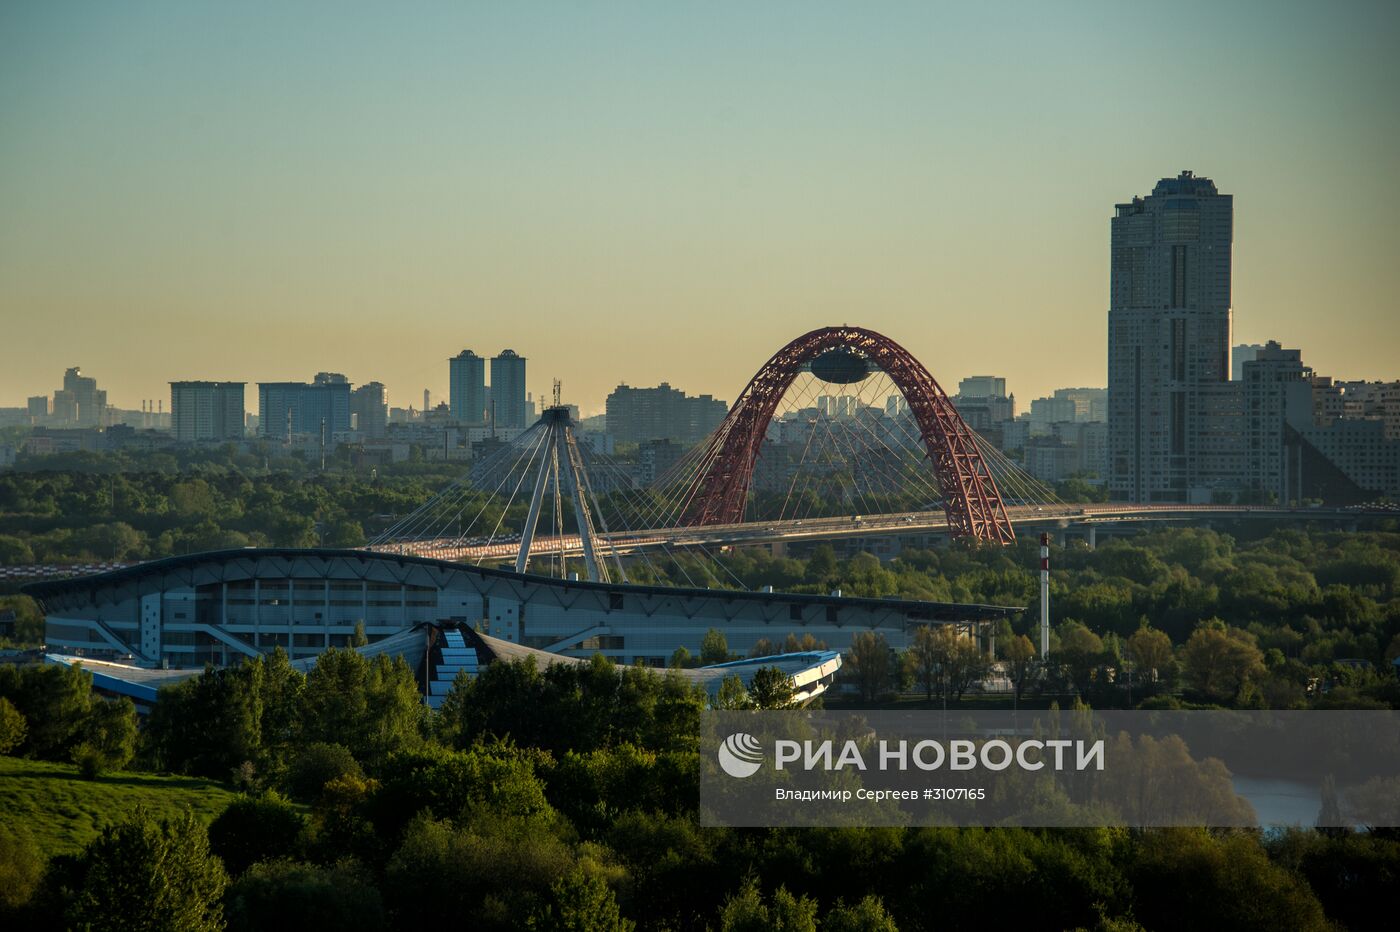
x=846 y=526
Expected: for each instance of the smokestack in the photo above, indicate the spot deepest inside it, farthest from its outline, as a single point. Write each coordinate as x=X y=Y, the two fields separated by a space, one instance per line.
x=1044 y=596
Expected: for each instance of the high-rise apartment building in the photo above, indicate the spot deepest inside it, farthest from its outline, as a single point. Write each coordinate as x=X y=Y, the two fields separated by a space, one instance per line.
x=467 y=388
x=290 y=409
x=1172 y=413
x=206 y=411
x=1277 y=386
x=508 y=389
x=636 y=415
x=369 y=411
x=38 y=407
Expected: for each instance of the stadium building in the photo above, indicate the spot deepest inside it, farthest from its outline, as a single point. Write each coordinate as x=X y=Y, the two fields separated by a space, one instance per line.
x=215 y=608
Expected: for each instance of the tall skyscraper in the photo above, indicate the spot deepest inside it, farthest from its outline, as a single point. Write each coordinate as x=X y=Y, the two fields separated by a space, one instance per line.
x=206 y=411
x=1173 y=416
x=467 y=392
x=508 y=389
x=368 y=410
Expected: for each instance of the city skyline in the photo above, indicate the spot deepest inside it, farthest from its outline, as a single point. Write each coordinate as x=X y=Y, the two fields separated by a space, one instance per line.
x=781 y=173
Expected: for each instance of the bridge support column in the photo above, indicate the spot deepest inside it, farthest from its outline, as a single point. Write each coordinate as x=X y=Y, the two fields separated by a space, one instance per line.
x=1044 y=596
x=1093 y=537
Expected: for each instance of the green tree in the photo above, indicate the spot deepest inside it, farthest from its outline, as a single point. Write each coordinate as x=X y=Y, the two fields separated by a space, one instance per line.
x=345 y=534
x=762 y=648
x=1080 y=653
x=770 y=688
x=924 y=658
x=108 y=737
x=150 y=876
x=869 y=915
x=961 y=659
x=714 y=647
x=21 y=866
x=54 y=700
x=13 y=727
x=252 y=829
x=732 y=694
x=870 y=664
x=1151 y=652
x=318 y=764
x=290 y=895
x=1218 y=660
x=372 y=706
x=1020 y=662
x=14 y=551
x=745 y=911
x=580 y=903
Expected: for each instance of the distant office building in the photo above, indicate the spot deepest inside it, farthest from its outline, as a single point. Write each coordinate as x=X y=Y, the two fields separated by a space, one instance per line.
x=38 y=406
x=287 y=410
x=982 y=386
x=1090 y=404
x=636 y=415
x=79 y=403
x=1171 y=405
x=1047 y=411
x=508 y=389
x=1241 y=354
x=983 y=402
x=206 y=411
x=369 y=412
x=467 y=391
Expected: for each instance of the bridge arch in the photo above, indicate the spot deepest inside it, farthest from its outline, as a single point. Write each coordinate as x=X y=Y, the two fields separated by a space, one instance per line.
x=971 y=498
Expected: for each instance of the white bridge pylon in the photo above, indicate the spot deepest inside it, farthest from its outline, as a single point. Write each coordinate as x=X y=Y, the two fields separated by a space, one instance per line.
x=561 y=467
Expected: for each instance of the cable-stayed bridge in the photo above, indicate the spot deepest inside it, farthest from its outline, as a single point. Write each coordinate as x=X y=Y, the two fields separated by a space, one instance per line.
x=842 y=433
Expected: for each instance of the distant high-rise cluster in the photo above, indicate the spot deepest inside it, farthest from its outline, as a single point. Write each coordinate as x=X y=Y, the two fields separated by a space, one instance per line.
x=502 y=404
x=79 y=403
x=1193 y=419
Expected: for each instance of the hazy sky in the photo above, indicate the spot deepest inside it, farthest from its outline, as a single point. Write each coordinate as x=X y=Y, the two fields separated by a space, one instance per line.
x=647 y=191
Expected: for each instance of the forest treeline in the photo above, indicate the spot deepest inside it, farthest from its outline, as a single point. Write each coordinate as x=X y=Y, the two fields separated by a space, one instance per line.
x=566 y=800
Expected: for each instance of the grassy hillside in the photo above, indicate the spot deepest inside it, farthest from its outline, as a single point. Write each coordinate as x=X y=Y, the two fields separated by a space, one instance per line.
x=64 y=812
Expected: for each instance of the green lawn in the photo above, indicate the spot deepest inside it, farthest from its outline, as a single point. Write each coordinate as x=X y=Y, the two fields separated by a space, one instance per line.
x=64 y=812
